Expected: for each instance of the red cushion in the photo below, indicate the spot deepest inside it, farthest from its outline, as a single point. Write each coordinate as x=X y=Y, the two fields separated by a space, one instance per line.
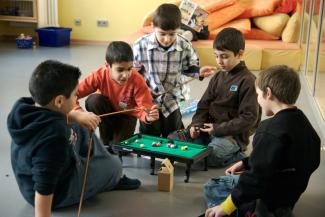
x=258 y=34
x=287 y=6
x=308 y=2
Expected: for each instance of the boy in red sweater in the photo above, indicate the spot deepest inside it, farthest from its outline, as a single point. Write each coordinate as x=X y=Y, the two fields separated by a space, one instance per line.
x=113 y=87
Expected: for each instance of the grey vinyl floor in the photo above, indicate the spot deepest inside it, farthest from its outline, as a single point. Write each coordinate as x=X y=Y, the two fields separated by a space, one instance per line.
x=186 y=199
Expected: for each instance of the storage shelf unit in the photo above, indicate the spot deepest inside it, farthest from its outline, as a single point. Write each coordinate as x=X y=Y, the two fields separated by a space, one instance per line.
x=18 y=10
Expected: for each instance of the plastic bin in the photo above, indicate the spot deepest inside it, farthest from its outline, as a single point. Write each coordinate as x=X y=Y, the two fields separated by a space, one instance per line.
x=24 y=43
x=53 y=36
x=188 y=107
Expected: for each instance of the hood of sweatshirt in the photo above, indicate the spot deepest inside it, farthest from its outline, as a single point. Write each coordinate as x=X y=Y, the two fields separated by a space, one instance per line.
x=26 y=120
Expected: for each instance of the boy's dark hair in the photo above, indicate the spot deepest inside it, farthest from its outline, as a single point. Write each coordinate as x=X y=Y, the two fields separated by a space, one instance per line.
x=52 y=78
x=283 y=81
x=167 y=17
x=229 y=39
x=118 y=51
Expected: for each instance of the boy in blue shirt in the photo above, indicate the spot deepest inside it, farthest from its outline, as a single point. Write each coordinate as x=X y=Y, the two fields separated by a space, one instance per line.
x=47 y=154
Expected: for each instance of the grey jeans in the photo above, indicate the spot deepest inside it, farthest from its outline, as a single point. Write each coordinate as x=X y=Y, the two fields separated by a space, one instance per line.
x=104 y=169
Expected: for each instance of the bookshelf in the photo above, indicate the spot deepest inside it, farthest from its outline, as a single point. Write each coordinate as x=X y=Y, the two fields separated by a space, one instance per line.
x=18 y=10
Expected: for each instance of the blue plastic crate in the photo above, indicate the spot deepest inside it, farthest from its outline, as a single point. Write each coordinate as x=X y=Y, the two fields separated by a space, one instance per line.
x=53 y=36
x=24 y=43
x=188 y=107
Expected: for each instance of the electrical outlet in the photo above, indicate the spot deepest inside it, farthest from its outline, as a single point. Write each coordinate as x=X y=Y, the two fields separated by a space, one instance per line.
x=77 y=22
x=102 y=23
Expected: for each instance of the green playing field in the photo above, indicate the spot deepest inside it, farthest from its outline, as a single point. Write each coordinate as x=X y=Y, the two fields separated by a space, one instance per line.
x=137 y=140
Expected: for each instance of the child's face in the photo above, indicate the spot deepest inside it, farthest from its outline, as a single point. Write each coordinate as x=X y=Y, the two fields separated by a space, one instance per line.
x=165 y=37
x=120 y=72
x=264 y=101
x=226 y=59
x=68 y=103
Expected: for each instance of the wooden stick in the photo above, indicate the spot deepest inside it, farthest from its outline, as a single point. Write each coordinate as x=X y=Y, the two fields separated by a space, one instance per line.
x=85 y=173
x=118 y=112
x=146 y=110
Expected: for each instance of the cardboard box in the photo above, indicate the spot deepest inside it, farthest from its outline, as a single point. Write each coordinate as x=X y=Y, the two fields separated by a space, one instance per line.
x=166 y=176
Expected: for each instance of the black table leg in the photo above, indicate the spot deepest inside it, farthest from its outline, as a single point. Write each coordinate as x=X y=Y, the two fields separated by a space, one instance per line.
x=152 y=165
x=187 y=172
x=120 y=156
x=206 y=164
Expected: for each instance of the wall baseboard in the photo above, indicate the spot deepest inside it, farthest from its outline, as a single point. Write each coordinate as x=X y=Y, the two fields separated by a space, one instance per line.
x=72 y=41
x=89 y=42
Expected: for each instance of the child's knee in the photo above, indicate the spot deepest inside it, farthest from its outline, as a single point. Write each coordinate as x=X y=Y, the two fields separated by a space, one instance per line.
x=180 y=135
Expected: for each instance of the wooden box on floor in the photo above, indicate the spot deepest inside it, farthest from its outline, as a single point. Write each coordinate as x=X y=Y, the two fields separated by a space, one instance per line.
x=166 y=176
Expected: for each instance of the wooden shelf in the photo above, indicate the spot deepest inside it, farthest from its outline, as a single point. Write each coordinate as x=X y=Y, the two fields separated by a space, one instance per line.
x=19 y=6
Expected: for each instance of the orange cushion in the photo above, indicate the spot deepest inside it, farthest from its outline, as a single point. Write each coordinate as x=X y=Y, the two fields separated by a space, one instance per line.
x=243 y=25
x=258 y=34
x=287 y=6
x=147 y=29
x=316 y=5
x=222 y=16
x=214 y=5
x=257 y=8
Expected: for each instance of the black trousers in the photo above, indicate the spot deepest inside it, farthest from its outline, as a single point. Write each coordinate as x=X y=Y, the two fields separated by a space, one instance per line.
x=164 y=125
x=113 y=128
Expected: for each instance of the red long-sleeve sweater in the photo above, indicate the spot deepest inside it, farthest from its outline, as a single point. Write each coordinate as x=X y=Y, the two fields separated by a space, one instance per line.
x=133 y=94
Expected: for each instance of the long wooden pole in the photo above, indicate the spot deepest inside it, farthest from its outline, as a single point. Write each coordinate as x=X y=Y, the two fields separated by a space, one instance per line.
x=138 y=109
x=85 y=173
x=119 y=112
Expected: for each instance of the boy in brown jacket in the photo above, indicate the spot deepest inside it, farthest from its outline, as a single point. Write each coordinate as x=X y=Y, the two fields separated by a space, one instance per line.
x=228 y=110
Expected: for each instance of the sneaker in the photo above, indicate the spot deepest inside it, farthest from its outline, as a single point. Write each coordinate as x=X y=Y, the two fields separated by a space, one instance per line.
x=126 y=183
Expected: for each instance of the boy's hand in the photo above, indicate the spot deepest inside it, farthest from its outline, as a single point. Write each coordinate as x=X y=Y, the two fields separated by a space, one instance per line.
x=208 y=128
x=194 y=132
x=206 y=71
x=215 y=211
x=152 y=114
x=43 y=204
x=235 y=169
x=86 y=120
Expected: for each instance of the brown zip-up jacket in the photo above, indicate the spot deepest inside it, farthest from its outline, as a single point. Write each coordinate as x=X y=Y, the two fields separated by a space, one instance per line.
x=230 y=103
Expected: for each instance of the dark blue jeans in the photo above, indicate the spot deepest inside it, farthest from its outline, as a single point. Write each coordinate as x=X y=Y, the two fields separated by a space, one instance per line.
x=216 y=190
